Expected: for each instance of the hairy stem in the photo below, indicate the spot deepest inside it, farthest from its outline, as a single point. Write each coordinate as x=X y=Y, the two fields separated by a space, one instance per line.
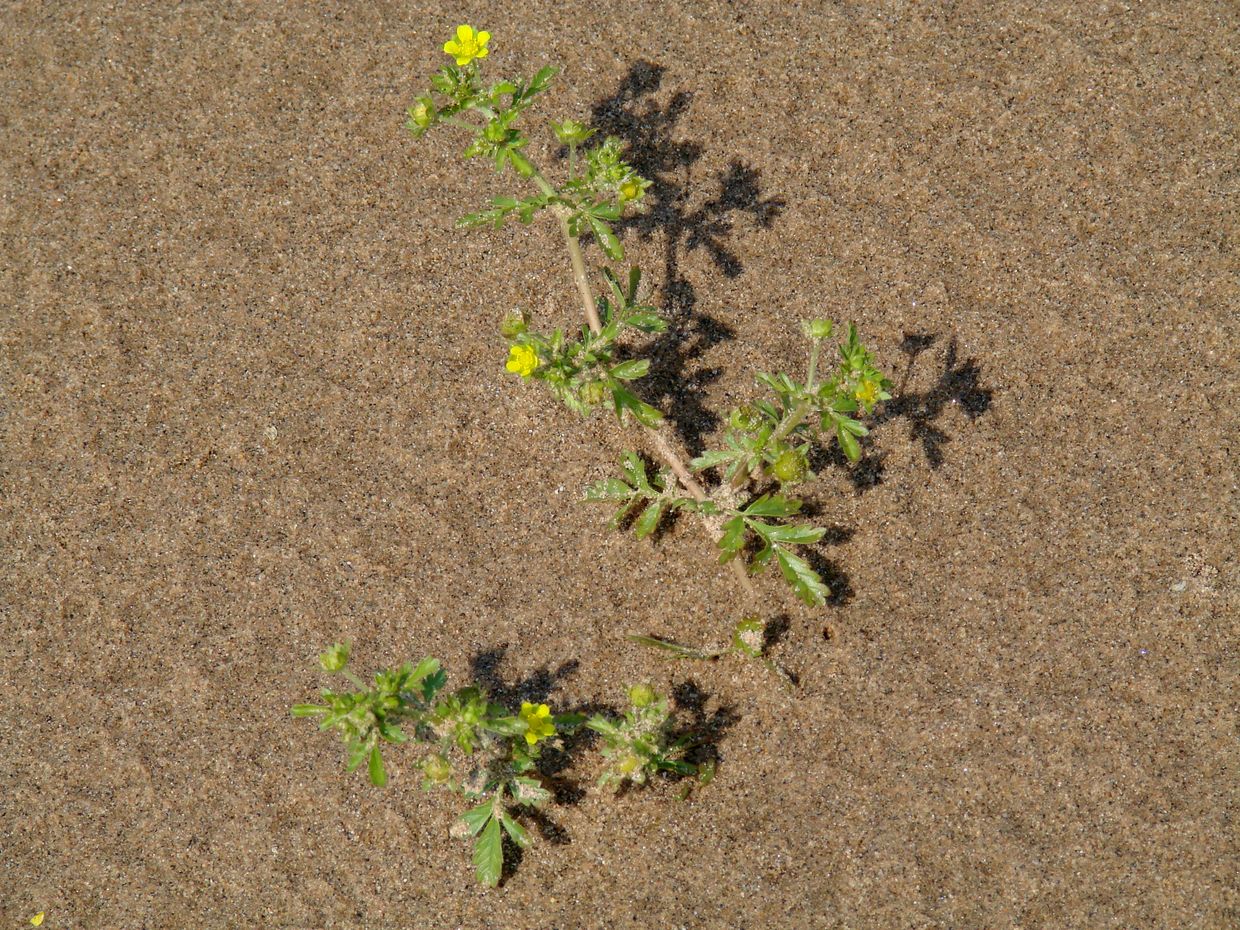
x=661 y=444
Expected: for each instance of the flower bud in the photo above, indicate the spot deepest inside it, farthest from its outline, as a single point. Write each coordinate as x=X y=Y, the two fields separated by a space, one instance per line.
x=642 y=695
x=514 y=325
x=791 y=466
x=437 y=769
x=629 y=764
x=421 y=114
x=745 y=418
x=594 y=393
x=817 y=329
x=750 y=637
x=335 y=658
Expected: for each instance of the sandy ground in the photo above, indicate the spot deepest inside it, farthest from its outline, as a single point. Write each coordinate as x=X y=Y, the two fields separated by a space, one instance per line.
x=252 y=401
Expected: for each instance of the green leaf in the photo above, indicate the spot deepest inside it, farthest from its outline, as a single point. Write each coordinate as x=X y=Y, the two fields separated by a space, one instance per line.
x=848 y=442
x=520 y=163
x=635 y=278
x=646 y=322
x=678 y=652
x=476 y=818
x=529 y=791
x=606 y=238
x=356 y=752
x=614 y=284
x=804 y=580
x=505 y=726
x=539 y=81
x=489 y=854
x=308 y=710
x=515 y=830
x=566 y=723
x=378 y=777
x=626 y=401
x=631 y=370
x=609 y=489
x=857 y=429
x=602 y=724
x=649 y=520
x=733 y=538
x=772 y=505
x=799 y=534
x=711 y=458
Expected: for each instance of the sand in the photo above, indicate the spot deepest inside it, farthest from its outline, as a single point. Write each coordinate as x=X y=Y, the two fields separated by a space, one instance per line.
x=252 y=401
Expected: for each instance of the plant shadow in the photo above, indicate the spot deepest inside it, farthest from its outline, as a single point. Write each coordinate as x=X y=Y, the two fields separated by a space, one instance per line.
x=958 y=384
x=703 y=728
x=648 y=127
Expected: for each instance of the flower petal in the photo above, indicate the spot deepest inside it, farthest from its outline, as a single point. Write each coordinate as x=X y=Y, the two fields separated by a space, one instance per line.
x=484 y=38
x=464 y=33
x=450 y=47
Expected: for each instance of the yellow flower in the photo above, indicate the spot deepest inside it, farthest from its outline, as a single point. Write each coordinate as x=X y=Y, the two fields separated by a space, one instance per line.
x=467 y=45
x=37 y=919
x=867 y=392
x=522 y=360
x=537 y=719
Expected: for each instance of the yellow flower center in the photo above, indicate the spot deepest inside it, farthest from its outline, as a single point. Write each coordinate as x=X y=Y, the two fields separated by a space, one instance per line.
x=467 y=45
x=866 y=391
x=522 y=360
x=538 y=722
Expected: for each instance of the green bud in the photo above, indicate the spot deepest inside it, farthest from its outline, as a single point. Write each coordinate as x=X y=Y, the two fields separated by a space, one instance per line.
x=791 y=466
x=817 y=329
x=749 y=637
x=437 y=769
x=571 y=132
x=745 y=419
x=642 y=695
x=335 y=658
x=629 y=764
x=514 y=325
x=594 y=392
x=421 y=114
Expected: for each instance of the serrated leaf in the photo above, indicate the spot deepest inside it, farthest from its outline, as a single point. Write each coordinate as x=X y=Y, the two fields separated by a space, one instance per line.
x=614 y=284
x=627 y=402
x=649 y=520
x=515 y=830
x=805 y=581
x=857 y=429
x=476 y=818
x=606 y=238
x=733 y=538
x=848 y=443
x=529 y=791
x=489 y=854
x=711 y=458
x=772 y=505
x=798 y=534
x=505 y=726
x=646 y=322
x=631 y=370
x=432 y=683
x=635 y=278
x=378 y=777
x=520 y=163
x=609 y=489
x=539 y=81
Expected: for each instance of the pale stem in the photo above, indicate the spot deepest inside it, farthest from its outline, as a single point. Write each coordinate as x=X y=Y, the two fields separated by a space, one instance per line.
x=662 y=446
